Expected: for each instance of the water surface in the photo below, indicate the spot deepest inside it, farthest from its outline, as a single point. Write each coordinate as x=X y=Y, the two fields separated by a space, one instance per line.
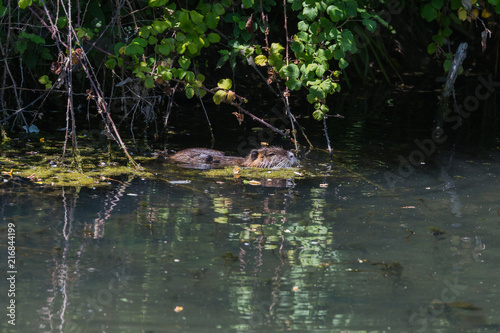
x=348 y=247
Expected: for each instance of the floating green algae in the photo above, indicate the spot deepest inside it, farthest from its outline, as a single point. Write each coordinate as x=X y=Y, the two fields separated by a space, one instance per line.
x=253 y=173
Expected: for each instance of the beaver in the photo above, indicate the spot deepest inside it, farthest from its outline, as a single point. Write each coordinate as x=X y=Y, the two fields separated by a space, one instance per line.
x=266 y=157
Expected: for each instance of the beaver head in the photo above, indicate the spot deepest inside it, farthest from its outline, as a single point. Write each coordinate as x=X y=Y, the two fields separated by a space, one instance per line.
x=271 y=158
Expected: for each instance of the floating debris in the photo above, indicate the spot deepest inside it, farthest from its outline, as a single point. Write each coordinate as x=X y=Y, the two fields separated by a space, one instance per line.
x=436 y=231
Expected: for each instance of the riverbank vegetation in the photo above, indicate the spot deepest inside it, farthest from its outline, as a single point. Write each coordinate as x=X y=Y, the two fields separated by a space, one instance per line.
x=121 y=73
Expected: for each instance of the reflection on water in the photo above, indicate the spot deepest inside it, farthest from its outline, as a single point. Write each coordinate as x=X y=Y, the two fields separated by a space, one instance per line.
x=214 y=254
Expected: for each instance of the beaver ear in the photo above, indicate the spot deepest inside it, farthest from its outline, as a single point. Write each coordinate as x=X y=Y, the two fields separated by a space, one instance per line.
x=254 y=154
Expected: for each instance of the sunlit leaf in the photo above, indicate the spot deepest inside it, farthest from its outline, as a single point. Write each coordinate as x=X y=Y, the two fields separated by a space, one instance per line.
x=318 y=115
x=260 y=60
x=24 y=3
x=189 y=91
x=225 y=84
x=462 y=14
x=219 y=97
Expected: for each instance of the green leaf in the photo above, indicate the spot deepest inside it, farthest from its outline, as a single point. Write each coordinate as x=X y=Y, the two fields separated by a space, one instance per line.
x=140 y=41
x=157 y=3
x=447 y=32
x=347 y=41
x=455 y=4
x=338 y=54
x=371 y=25
x=321 y=69
x=336 y=13
x=276 y=48
x=196 y=17
x=297 y=47
x=325 y=23
x=225 y=84
x=317 y=92
x=117 y=48
x=189 y=91
x=62 y=22
x=159 y=26
x=303 y=36
x=327 y=86
x=167 y=75
x=183 y=17
x=193 y=47
x=152 y=40
x=276 y=61
x=24 y=3
x=291 y=71
x=149 y=83
x=219 y=96
x=134 y=49
x=218 y=9
x=310 y=12
x=352 y=7
x=180 y=37
x=318 y=115
x=294 y=84
x=184 y=62
x=223 y=59
x=297 y=5
x=343 y=63
x=111 y=63
x=200 y=92
x=310 y=71
x=213 y=37
x=21 y=46
x=431 y=48
x=303 y=26
x=212 y=20
x=429 y=13
x=145 y=31
x=43 y=79
x=164 y=49
x=447 y=65
x=438 y=4
x=260 y=60
x=190 y=77
x=439 y=39
x=32 y=37
x=248 y=3
x=180 y=73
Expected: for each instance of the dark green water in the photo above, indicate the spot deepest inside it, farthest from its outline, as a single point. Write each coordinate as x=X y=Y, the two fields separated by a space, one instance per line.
x=216 y=255
x=346 y=248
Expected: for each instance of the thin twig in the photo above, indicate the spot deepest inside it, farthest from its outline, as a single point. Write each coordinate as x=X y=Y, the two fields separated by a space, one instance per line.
x=330 y=151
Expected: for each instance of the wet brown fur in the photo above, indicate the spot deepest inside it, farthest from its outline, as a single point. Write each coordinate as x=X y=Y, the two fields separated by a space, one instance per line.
x=271 y=158
x=267 y=157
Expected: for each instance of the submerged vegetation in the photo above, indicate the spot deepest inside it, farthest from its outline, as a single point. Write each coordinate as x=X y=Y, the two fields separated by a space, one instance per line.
x=119 y=70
